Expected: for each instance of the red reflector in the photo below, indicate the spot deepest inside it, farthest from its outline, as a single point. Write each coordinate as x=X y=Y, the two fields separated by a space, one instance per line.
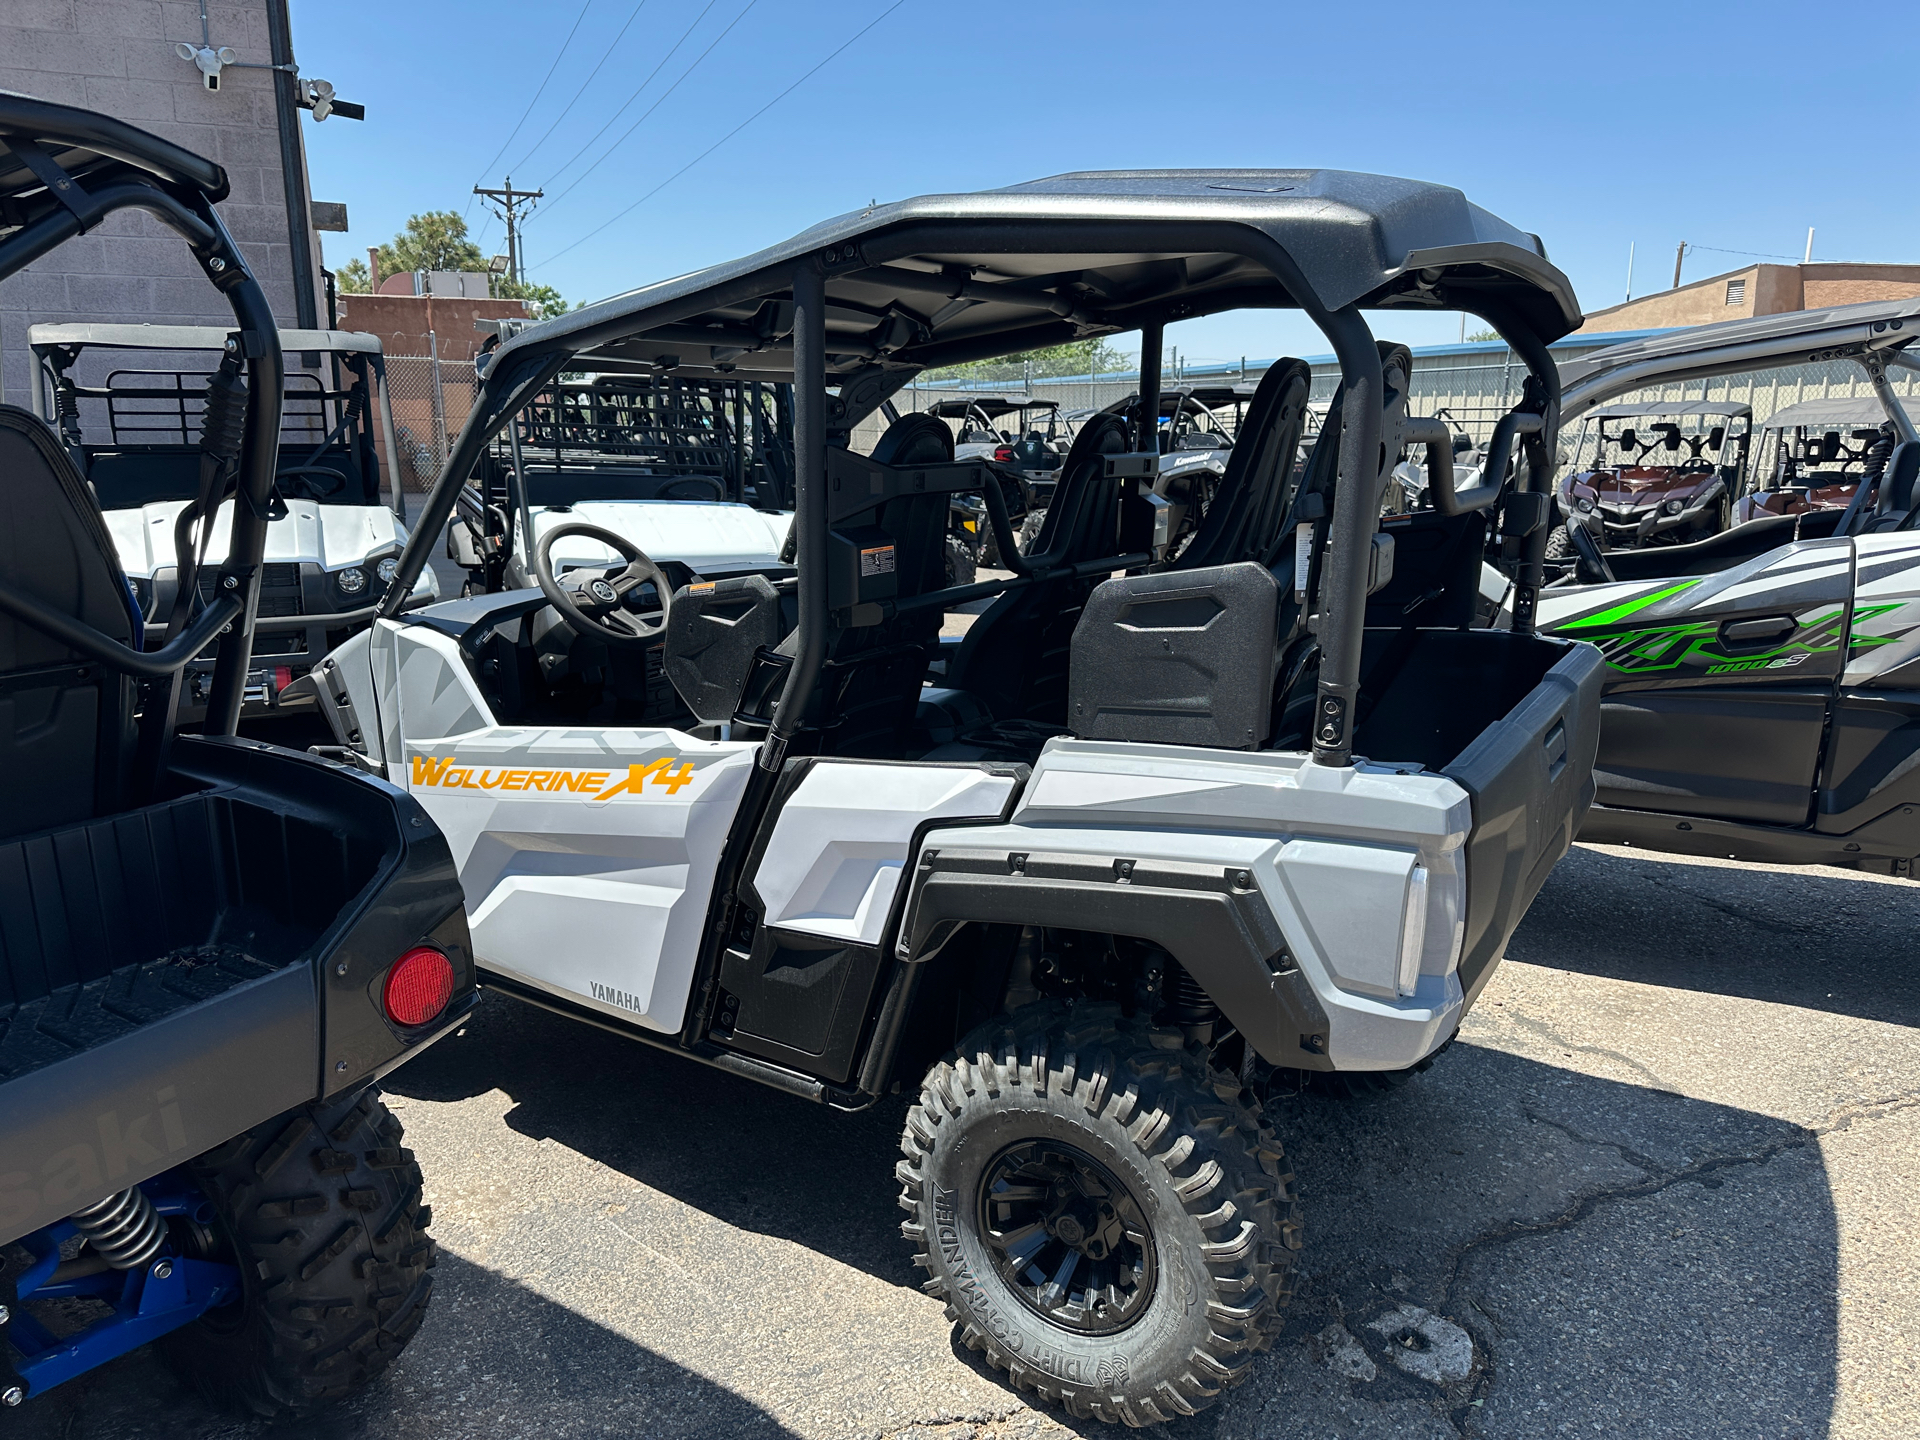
x=1005 y=452
x=418 y=986
x=282 y=677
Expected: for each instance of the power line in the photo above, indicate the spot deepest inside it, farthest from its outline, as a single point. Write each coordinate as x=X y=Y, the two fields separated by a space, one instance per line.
x=487 y=169
x=731 y=133
x=605 y=56
x=509 y=200
x=1765 y=255
x=633 y=97
x=665 y=96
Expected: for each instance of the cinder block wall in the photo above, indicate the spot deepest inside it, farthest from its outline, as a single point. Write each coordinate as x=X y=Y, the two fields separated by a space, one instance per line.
x=117 y=56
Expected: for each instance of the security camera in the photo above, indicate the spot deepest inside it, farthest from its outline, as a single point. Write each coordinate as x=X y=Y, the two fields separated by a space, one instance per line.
x=207 y=60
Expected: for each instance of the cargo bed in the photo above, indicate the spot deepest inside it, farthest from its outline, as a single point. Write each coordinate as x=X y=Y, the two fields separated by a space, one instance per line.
x=173 y=976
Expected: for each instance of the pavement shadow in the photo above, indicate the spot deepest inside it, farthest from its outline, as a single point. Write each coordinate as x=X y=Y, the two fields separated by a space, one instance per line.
x=1600 y=1242
x=1819 y=939
x=493 y=1360
x=751 y=1156
x=1623 y=1258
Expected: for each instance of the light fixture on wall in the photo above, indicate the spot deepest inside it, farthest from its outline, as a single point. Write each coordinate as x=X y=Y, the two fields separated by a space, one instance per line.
x=210 y=59
x=207 y=60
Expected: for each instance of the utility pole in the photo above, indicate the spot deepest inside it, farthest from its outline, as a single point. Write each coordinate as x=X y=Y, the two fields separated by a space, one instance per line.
x=1630 y=245
x=506 y=204
x=1679 y=256
x=1808 y=259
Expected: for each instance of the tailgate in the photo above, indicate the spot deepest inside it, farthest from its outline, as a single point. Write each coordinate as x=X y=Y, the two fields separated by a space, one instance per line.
x=1530 y=774
x=129 y=1100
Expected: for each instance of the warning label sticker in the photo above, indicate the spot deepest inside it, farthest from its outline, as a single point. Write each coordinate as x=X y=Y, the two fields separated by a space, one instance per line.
x=877 y=561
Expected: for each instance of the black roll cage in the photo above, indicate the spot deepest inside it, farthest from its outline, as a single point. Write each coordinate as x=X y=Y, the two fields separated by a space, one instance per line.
x=1364 y=458
x=79 y=168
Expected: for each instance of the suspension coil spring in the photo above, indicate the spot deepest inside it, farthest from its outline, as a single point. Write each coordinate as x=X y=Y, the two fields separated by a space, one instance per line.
x=124 y=1229
x=1191 y=1003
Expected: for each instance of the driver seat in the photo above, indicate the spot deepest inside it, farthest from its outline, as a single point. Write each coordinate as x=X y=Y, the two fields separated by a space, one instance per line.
x=66 y=721
x=1899 y=500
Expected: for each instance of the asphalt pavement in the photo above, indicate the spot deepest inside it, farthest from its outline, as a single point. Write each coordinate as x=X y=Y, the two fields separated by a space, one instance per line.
x=1665 y=1186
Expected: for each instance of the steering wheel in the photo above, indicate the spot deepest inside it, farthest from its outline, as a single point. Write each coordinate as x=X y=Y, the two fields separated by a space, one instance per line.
x=594 y=604
x=317 y=481
x=703 y=487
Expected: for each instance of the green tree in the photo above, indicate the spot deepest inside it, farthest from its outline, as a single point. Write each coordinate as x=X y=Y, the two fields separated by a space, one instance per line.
x=438 y=240
x=1483 y=335
x=543 y=301
x=1076 y=357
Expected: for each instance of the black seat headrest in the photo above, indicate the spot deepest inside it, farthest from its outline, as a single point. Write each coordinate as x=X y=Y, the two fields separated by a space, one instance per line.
x=1081 y=472
x=1252 y=496
x=54 y=544
x=916 y=439
x=1898 y=485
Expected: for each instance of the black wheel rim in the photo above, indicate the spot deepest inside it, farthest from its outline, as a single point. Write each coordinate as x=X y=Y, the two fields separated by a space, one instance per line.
x=1068 y=1237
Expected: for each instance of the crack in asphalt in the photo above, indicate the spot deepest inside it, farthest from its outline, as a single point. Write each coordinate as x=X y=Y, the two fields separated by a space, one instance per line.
x=1658 y=1179
x=1543 y=1030
x=1626 y=1152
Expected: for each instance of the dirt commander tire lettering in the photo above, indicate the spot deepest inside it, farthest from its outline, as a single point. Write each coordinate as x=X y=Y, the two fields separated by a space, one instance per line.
x=946 y=1219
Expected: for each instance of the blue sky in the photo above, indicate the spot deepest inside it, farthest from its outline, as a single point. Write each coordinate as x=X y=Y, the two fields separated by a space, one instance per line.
x=1731 y=126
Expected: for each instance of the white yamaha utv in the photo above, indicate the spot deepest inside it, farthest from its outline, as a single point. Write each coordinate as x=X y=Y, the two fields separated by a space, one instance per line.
x=1152 y=831
x=1763 y=685
x=138 y=438
x=210 y=948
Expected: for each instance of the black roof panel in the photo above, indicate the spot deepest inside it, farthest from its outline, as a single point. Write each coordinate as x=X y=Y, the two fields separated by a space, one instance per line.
x=946 y=278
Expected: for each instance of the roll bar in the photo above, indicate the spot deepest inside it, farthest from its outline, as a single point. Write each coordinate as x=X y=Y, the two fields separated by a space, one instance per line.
x=68 y=207
x=520 y=372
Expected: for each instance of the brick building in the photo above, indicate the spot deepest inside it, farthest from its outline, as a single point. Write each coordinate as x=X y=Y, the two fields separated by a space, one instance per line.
x=403 y=322
x=118 y=57
x=1758 y=290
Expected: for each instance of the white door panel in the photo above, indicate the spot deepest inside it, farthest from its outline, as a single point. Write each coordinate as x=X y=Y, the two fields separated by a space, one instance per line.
x=587 y=854
x=836 y=854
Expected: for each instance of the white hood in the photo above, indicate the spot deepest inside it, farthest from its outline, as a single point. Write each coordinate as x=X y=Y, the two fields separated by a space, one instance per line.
x=698 y=533
x=330 y=536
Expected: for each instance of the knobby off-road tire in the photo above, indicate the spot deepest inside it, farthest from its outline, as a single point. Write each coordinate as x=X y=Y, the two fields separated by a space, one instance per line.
x=1201 y=1168
x=961 y=566
x=1559 y=546
x=321 y=1208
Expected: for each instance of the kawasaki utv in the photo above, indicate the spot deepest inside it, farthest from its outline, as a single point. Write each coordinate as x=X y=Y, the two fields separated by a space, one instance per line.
x=1158 y=829
x=211 y=947
x=136 y=437
x=1763 y=685
x=697 y=470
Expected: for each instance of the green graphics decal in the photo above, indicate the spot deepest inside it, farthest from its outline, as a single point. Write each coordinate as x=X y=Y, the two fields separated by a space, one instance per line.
x=1620 y=612
x=1863 y=618
x=1695 y=645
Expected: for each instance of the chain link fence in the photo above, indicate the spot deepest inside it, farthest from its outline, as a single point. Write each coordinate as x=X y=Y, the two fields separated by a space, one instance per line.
x=1471 y=390
x=431 y=397
x=430 y=400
